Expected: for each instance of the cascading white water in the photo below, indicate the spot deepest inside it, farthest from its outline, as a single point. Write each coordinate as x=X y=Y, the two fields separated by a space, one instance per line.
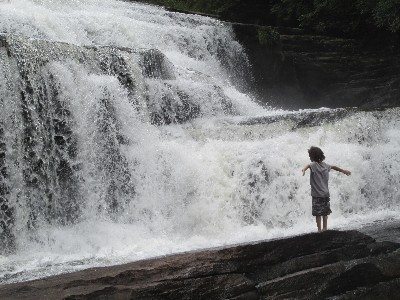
x=124 y=135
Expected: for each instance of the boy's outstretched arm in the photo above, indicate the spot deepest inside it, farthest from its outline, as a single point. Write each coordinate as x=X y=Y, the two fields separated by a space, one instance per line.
x=305 y=169
x=347 y=172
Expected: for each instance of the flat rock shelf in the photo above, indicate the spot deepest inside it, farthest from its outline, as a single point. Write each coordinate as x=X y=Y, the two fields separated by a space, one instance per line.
x=329 y=265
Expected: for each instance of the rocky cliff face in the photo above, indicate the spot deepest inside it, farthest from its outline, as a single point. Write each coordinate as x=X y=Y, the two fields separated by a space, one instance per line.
x=302 y=70
x=330 y=265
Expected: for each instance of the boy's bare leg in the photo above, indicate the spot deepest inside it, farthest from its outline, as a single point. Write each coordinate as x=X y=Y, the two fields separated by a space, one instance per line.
x=318 y=219
x=325 y=223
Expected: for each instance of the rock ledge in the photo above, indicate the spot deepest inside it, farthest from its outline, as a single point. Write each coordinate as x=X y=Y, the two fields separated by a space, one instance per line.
x=331 y=265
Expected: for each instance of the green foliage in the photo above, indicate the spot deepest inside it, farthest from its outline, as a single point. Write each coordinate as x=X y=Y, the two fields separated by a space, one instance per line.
x=268 y=36
x=340 y=17
x=336 y=17
x=333 y=17
x=387 y=14
x=289 y=11
x=201 y=6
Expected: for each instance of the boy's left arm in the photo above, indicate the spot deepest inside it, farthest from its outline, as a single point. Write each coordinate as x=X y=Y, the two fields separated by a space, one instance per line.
x=305 y=169
x=347 y=172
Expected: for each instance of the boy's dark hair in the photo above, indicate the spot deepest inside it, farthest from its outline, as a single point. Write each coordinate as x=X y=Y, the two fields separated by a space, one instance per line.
x=316 y=154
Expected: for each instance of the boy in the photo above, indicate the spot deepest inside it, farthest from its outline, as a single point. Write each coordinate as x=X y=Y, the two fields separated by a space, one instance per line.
x=319 y=178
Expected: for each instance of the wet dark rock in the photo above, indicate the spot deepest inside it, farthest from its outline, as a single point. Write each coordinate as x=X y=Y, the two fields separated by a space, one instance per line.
x=301 y=70
x=172 y=111
x=7 y=238
x=154 y=64
x=306 y=118
x=333 y=264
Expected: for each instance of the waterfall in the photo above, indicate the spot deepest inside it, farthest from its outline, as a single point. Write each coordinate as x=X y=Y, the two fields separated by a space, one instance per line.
x=126 y=132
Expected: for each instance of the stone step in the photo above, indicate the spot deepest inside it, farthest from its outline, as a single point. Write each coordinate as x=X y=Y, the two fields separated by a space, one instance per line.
x=289 y=31
x=379 y=72
x=310 y=43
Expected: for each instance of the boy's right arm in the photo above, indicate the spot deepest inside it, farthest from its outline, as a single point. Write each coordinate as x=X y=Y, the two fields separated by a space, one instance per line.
x=305 y=169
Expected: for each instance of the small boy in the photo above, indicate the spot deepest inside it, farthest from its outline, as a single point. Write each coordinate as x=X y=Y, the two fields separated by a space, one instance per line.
x=319 y=178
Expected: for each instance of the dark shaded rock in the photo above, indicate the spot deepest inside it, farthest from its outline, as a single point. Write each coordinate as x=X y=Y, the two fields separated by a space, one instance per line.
x=7 y=238
x=304 y=118
x=154 y=64
x=312 y=266
x=307 y=71
x=383 y=291
x=168 y=110
x=365 y=274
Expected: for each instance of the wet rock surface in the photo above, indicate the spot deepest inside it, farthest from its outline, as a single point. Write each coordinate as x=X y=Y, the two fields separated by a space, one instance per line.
x=330 y=265
x=303 y=118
